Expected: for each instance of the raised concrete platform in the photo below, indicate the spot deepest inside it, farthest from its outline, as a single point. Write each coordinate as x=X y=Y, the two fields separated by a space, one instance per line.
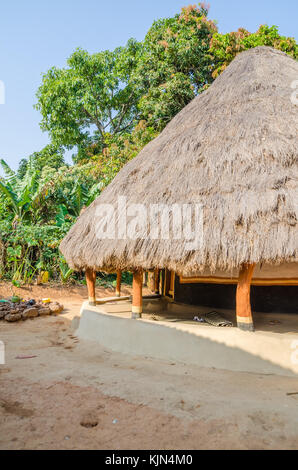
x=167 y=331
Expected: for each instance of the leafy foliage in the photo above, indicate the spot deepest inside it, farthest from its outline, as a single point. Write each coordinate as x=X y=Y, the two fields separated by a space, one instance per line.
x=36 y=213
x=175 y=64
x=51 y=156
x=22 y=195
x=93 y=95
x=107 y=106
x=225 y=47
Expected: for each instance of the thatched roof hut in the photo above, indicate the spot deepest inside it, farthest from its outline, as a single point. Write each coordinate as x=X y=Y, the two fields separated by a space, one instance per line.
x=233 y=151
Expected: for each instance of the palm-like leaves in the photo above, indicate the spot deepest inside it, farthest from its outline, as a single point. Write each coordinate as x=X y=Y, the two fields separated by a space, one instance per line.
x=21 y=193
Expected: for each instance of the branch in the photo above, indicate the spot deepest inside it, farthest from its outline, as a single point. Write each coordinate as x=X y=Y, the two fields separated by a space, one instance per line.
x=96 y=121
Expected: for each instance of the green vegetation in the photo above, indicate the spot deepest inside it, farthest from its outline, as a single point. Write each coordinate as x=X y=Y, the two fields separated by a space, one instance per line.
x=105 y=107
x=225 y=47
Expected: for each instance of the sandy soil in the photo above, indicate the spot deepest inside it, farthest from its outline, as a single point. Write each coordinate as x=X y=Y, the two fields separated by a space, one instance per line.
x=76 y=395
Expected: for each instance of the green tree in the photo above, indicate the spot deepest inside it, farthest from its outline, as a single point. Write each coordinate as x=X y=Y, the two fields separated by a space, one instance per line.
x=90 y=97
x=225 y=47
x=175 y=64
x=51 y=156
x=120 y=149
x=67 y=190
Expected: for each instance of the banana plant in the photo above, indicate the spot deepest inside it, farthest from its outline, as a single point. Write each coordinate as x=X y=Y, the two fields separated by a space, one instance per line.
x=65 y=271
x=22 y=194
x=79 y=197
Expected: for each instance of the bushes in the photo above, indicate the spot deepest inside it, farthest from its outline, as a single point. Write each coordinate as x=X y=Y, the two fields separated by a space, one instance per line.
x=112 y=105
x=27 y=249
x=36 y=211
x=225 y=47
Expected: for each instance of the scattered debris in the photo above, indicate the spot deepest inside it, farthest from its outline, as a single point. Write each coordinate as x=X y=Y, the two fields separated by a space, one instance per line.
x=154 y=318
x=25 y=357
x=215 y=319
x=115 y=421
x=200 y=320
x=16 y=309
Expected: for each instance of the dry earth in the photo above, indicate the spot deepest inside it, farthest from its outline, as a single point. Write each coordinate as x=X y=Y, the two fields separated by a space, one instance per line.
x=76 y=395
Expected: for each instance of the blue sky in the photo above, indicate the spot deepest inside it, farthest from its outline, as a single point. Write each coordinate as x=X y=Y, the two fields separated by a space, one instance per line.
x=37 y=34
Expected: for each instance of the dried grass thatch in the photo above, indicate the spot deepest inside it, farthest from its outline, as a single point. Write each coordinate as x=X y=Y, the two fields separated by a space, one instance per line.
x=234 y=150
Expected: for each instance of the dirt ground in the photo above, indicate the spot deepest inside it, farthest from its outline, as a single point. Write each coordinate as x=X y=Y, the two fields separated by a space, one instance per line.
x=76 y=395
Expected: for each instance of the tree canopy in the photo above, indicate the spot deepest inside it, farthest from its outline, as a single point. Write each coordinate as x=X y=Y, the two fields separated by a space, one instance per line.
x=225 y=47
x=92 y=96
x=175 y=64
x=103 y=95
x=106 y=107
x=51 y=156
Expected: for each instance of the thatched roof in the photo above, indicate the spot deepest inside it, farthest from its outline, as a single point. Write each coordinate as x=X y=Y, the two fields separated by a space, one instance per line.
x=234 y=150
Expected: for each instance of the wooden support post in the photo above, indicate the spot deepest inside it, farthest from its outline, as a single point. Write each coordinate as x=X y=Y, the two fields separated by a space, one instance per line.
x=150 y=283
x=137 y=299
x=156 y=281
x=118 y=284
x=144 y=279
x=91 y=279
x=243 y=307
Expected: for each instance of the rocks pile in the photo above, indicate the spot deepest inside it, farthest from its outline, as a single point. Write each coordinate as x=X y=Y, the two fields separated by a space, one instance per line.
x=13 y=312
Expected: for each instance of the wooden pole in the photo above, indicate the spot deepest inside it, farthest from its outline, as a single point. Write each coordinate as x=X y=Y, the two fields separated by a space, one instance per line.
x=137 y=299
x=243 y=307
x=90 y=279
x=118 y=284
x=150 y=283
x=144 y=279
x=156 y=281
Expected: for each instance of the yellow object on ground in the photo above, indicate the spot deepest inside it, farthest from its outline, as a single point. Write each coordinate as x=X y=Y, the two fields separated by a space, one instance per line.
x=46 y=301
x=42 y=278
